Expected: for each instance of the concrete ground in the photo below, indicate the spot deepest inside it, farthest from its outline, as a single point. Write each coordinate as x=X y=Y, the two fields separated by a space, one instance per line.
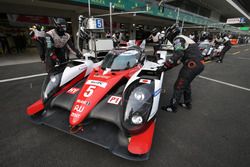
x=216 y=132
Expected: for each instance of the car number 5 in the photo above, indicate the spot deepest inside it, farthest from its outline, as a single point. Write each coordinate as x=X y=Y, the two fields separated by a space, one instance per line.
x=89 y=91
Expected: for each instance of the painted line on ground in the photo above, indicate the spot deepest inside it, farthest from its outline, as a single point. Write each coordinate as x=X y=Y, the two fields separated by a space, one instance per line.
x=24 y=77
x=224 y=83
x=246 y=49
x=242 y=58
x=235 y=53
x=236 y=46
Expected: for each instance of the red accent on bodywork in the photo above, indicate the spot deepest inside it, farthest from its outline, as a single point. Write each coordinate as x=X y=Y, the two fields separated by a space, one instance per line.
x=138 y=42
x=35 y=107
x=141 y=143
x=71 y=83
x=73 y=90
x=80 y=111
x=38 y=105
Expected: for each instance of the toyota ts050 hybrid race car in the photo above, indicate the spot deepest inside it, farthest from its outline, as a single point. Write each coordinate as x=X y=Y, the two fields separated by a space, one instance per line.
x=112 y=103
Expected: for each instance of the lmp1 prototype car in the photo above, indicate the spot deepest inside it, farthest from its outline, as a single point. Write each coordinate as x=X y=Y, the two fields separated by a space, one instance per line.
x=112 y=103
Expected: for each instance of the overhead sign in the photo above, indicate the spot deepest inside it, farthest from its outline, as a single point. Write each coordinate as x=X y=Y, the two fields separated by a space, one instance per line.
x=236 y=20
x=20 y=20
x=95 y=24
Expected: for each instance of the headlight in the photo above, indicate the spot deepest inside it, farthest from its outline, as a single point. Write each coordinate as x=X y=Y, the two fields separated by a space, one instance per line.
x=138 y=99
x=139 y=95
x=137 y=119
x=53 y=79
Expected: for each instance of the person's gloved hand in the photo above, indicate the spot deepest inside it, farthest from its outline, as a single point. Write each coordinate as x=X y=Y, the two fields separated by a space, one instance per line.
x=79 y=55
x=161 y=69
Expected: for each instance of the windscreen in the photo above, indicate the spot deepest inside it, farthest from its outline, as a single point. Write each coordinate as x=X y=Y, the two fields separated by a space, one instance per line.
x=122 y=61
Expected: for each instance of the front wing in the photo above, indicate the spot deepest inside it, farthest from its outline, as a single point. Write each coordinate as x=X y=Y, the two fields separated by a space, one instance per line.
x=102 y=127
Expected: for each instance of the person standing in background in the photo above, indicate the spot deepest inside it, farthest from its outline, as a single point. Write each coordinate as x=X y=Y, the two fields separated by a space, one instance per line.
x=155 y=37
x=227 y=46
x=191 y=35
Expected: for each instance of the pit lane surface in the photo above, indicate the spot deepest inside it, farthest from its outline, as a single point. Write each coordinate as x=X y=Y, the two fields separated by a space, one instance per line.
x=216 y=132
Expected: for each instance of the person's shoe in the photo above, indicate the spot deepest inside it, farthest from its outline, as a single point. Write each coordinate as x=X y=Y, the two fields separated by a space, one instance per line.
x=219 y=61
x=169 y=108
x=187 y=106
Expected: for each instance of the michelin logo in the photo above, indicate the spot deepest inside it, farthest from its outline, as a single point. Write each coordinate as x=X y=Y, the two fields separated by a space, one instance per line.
x=97 y=83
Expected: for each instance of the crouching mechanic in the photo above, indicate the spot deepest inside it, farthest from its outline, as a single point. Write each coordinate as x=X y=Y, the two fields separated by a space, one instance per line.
x=58 y=45
x=186 y=52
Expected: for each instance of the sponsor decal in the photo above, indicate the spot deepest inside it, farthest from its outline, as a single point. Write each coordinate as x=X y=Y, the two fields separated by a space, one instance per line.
x=157 y=92
x=73 y=91
x=114 y=100
x=101 y=76
x=145 y=81
x=75 y=115
x=89 y=91
x=96 y=83
x=78 y=108
x=87 y=103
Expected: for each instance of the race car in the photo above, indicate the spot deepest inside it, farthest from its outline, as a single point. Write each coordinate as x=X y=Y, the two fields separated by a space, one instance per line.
x=112 y=103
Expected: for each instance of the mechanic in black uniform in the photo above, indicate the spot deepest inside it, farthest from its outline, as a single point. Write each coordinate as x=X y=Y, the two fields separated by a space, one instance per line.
x=58 y=43
x=187 y=52
x=227 y=45
x=155 y=37
x=116 y=38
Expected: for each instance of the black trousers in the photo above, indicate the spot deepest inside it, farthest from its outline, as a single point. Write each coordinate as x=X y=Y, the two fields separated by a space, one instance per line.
x=40 y=45
x=156 y=47
x=223 y=52
x=182 y=86
x=53 y=59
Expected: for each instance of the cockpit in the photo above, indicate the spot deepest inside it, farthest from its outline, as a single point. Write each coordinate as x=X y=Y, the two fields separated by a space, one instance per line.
x=121 y=60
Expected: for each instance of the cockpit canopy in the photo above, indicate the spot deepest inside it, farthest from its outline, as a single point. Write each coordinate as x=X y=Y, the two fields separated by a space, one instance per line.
x=121 y=60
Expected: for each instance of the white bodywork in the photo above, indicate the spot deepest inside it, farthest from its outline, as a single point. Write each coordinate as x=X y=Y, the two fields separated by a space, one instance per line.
x=218 y=50
x=207 y=47
x=70 y=73
x=150 y=66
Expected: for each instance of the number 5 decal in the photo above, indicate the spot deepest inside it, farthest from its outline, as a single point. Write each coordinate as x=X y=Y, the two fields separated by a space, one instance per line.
x=89 y=91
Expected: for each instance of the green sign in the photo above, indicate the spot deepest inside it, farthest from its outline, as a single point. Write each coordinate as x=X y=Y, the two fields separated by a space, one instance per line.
x=153 y=9
x=244 y=28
